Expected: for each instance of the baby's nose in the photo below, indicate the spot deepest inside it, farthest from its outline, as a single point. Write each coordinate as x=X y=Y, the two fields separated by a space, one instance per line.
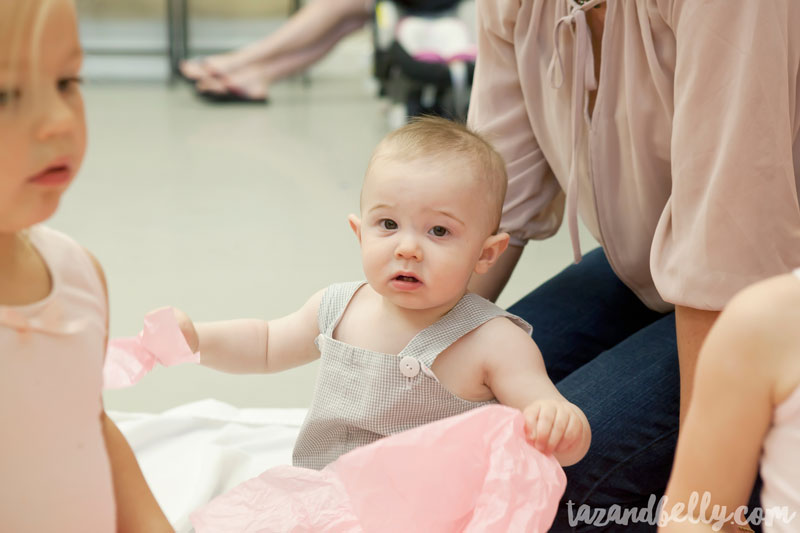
x=409 y=248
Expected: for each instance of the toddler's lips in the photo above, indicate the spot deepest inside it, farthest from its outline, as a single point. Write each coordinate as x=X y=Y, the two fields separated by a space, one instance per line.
x=52 y=176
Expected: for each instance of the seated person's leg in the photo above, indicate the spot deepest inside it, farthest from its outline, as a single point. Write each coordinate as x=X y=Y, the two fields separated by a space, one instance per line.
x=617 y=360
x=630 y=394
x=316 y=21
x=581 y=312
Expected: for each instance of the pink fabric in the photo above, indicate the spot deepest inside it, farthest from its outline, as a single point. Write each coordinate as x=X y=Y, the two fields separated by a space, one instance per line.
x=780 y=468
x=54 y=466
x=428 y=56
x=129 y=359
x=474 y=472
x=438 y=40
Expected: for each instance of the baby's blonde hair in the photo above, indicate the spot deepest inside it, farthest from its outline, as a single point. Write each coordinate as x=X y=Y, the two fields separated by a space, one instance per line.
x=432 y=136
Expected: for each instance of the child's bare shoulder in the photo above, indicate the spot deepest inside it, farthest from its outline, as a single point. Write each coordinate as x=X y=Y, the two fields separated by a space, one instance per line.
x=502 y=335
x=769 y=308
x=311 y=307
x=757 y=333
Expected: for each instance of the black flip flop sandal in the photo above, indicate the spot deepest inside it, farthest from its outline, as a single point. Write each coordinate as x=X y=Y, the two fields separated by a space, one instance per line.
x=231 y=97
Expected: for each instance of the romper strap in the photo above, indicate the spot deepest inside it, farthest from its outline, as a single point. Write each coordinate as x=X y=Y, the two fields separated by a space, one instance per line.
x=334 y=302
x=469 y=313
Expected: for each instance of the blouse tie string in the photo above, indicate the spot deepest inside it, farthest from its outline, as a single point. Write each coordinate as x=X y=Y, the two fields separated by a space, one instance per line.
x=583 y=80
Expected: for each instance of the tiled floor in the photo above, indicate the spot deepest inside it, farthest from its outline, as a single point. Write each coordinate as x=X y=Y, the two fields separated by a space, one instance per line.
x=234 y=212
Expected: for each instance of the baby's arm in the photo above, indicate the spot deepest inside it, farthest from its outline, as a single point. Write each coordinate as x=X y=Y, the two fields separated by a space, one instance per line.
x=256 y=346
x=733 y=399
x=515 y=373
x=137 y=508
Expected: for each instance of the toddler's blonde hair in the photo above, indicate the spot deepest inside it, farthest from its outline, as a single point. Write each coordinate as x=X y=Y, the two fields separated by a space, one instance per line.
x=432 y=136
x=21 y=24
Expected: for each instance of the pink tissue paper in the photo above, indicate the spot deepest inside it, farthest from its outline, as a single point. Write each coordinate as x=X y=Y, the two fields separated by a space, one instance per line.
x=475 y=472
x=129 y=359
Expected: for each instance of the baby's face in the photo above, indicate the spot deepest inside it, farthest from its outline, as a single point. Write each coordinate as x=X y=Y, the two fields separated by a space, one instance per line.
x=423 y=226
x=42 y=123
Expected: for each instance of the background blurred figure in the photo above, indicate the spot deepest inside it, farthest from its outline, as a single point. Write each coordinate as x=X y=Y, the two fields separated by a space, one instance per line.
x=246 y=74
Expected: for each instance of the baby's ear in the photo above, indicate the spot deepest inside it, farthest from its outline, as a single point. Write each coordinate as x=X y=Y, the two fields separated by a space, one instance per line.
x=355 y=225
x=493 y=247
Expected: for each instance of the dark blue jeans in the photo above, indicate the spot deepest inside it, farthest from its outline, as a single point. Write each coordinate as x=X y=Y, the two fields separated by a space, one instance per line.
x=618 y=361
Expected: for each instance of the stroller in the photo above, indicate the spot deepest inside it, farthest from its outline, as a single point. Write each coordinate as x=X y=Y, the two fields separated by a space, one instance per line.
x=425 y=54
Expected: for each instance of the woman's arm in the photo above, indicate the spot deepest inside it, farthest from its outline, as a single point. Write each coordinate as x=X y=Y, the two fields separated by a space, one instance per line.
x=534 y=202
x=491 y=284
x=732 y=216
x=692 y=327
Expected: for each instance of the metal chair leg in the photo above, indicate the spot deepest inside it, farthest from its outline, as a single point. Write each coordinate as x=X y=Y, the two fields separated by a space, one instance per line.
x=177 y=35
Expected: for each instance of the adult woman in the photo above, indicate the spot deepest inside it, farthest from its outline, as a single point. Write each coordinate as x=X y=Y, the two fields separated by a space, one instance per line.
x=672 y=126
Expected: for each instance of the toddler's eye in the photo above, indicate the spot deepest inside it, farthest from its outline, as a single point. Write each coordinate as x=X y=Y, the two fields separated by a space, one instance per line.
x=439 y=231
x=65 y=84
x=9 y=96
x=388 y=223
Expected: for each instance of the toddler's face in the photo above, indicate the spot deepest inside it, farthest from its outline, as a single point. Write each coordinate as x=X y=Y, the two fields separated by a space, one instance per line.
x=42 y=123
x=422 y=231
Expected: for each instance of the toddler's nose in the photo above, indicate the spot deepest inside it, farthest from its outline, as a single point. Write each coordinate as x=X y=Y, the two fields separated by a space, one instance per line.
x=56 y=117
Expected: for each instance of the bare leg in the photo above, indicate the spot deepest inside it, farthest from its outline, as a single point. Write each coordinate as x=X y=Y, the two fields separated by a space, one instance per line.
x=255 y=79
x=310 y=25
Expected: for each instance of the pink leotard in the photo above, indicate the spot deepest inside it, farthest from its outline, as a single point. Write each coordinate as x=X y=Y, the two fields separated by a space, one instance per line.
x=54 y=468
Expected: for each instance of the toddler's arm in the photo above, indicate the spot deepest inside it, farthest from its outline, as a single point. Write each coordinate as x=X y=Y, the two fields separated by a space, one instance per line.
x=741 y=368
x=516 y=375
x=256 y=346
x=137 y=508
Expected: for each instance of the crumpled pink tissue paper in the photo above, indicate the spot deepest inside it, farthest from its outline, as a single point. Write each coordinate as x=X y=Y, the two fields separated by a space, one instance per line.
x=129 y=359
x=473 y=473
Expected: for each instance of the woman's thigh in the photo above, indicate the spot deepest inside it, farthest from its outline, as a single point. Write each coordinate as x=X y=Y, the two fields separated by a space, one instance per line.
x=630 y=394
x=581 y=312
x=617 y=360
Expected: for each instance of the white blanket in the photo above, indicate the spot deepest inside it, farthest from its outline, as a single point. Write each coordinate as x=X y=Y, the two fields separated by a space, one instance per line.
x=195 y=452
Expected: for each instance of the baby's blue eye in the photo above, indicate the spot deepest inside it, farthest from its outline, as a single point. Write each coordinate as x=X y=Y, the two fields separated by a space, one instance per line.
x=439 y=231
x=388 y=223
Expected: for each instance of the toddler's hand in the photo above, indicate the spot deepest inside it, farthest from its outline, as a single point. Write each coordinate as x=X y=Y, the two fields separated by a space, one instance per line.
x=187 y=328
x=553 y=425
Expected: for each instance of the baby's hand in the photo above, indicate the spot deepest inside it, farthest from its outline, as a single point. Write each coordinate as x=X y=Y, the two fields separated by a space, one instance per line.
x=187 y=328
x=553 y=425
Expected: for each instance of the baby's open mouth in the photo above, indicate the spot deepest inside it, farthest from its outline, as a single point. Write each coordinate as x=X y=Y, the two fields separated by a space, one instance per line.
x=407 y=278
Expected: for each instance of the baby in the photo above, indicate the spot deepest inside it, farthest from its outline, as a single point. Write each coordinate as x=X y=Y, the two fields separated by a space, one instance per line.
x=410 y=345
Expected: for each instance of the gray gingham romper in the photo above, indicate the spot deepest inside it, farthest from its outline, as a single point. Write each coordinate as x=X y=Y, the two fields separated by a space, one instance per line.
x=362 y=396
